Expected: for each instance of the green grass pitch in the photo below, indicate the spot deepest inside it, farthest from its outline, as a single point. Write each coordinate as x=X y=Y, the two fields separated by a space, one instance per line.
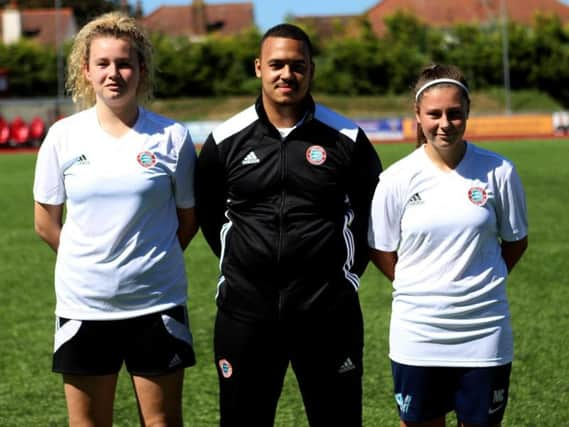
x=30 y=395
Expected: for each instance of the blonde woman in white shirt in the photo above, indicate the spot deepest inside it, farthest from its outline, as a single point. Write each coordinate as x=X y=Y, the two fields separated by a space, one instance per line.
x=448 y=224
x=125 y=177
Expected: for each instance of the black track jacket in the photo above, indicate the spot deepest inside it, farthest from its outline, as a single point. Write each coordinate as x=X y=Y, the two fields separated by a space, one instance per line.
x=288 y=218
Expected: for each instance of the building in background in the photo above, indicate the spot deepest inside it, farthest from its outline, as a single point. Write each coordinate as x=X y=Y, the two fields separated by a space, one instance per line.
x=198 y=19
x=41 y=25
x=440 y=14
x=194 y=20
x=447 y=13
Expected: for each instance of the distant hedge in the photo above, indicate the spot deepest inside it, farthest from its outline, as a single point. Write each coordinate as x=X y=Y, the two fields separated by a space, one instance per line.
x=356 y=65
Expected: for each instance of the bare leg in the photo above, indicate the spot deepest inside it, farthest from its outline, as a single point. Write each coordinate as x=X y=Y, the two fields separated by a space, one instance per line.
x=437 y=422
x=160 y=399
x=90 y=399
x=476 y=425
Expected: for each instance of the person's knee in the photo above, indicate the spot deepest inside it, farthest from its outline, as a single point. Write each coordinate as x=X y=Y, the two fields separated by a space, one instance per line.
x=164 y=420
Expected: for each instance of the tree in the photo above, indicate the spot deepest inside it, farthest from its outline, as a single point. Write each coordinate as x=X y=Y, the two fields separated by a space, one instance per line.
x=352 y=67
x=214 y=66
x=551 y=50
x=405 y=45
x=32 y=68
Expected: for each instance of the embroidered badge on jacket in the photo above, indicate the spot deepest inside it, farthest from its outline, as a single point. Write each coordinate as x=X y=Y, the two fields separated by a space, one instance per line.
x=316 y=155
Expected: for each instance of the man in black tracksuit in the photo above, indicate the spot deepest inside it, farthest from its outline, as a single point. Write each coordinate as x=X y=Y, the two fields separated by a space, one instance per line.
x=283 y=197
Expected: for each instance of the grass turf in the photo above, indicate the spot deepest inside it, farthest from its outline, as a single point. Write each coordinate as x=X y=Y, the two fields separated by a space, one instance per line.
x=30 y=395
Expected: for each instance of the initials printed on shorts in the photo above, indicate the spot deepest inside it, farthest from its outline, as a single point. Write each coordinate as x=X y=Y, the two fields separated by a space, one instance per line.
x=403 y=402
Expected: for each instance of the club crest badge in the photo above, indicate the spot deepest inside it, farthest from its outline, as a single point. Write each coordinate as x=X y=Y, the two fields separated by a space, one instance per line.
x=146 y=159
x=477 y=195
x=316 y=155
x=225 y=368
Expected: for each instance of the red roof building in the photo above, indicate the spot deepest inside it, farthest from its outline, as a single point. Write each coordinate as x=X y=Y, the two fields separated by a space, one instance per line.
x=440 y=13
x=447 y=13
x=46 y=26
x=198 y=19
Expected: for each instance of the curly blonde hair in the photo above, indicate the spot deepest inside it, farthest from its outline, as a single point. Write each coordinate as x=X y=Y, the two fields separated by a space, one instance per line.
x=117 y=25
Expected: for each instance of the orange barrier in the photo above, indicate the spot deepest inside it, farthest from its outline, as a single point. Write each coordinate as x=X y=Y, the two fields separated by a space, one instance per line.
x=498 y=126
x=409 y=129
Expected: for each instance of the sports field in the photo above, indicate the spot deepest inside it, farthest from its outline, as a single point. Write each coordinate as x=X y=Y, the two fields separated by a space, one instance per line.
x=30 y=395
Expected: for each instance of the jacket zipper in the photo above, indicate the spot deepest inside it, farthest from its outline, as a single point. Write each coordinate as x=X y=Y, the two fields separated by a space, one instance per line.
x=283 y=200
x=281 y=212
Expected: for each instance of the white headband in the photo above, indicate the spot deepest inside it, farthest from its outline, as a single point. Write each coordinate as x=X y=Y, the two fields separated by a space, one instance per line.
x=438 y=81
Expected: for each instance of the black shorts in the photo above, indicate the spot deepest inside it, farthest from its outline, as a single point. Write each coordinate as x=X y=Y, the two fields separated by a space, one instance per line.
x=154 y=344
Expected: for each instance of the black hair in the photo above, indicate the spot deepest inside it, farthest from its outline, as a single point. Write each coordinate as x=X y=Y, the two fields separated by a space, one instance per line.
x=289 y=31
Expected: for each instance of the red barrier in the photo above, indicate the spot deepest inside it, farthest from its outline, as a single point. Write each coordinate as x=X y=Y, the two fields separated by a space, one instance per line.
x=37 y=130
x=19 y=130
x=4 y=132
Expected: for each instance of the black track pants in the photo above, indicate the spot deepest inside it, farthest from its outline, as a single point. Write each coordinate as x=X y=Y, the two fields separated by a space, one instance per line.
x=325 y=352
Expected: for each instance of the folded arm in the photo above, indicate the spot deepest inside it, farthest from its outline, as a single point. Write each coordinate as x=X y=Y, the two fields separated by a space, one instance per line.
x=385 y=262
x=48 y=220
x=513 y=251
x=187 y=226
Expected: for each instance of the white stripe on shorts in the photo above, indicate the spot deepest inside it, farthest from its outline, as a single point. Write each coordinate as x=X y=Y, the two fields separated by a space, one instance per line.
x=65 y=333
x=177 y=329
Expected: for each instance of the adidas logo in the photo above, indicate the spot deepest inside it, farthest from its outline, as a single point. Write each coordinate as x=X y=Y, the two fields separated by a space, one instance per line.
x=250 y=159
x=175 y=361
x=415 y=199
x=348 y=365
x=82 y=160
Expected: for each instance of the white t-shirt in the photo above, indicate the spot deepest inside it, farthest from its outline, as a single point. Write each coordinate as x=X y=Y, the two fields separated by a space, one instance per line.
x=119 y=255
x=449 y=301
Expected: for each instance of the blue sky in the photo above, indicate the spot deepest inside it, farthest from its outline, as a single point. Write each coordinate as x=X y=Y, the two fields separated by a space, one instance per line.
x=272 y=12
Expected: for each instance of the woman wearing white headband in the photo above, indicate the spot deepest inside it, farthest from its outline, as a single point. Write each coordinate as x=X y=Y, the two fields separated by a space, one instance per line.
x=448 y=224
